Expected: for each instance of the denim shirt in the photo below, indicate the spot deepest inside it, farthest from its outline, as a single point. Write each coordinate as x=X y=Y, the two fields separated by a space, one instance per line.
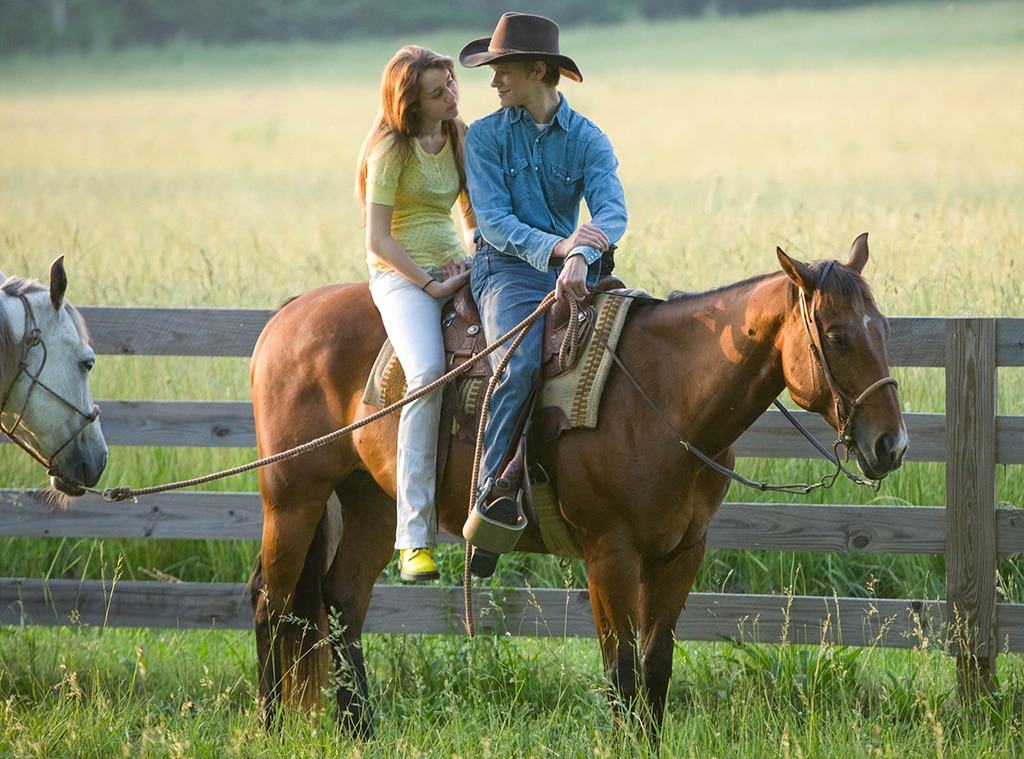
x=526 y=186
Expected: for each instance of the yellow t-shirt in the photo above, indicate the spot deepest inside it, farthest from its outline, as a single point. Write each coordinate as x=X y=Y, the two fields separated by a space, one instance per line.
x=422 y=191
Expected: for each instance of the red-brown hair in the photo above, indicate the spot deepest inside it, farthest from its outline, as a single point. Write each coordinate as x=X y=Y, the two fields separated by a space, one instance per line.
x=399 y=113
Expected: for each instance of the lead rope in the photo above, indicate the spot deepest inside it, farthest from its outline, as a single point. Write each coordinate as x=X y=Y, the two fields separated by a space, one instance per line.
x=125 y=493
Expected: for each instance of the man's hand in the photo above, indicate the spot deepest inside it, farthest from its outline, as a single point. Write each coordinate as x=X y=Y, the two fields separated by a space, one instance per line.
x=572 y=282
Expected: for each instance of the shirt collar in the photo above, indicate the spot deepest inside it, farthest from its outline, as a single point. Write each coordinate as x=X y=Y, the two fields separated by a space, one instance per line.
x=561 y=117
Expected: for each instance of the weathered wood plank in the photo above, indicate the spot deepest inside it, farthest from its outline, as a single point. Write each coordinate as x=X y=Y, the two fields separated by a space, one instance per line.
x=772 y=436
x=128 y=330
x=917 y=341
x=192 y=515
x=971 y=486
x=541 y=612
x=131 y=331
x=839 y=529
x=203 y=424
x=201 y=515
x=230 y=424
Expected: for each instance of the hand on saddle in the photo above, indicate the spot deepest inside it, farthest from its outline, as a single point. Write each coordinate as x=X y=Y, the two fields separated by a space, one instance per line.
x=449 y=286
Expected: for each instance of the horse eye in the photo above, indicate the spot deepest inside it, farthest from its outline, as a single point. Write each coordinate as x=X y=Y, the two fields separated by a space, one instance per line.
x=88 y=364
x=835 y=339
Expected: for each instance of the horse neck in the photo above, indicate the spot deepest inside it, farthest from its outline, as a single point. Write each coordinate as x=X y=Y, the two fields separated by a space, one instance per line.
x=721 y=354
x=9 y=343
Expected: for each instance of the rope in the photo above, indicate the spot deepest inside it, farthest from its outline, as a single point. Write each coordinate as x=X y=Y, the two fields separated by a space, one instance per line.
x=485 y=409
x=126 y=493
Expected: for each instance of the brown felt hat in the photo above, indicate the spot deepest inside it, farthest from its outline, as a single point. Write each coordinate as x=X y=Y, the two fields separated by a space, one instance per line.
x=523 y=36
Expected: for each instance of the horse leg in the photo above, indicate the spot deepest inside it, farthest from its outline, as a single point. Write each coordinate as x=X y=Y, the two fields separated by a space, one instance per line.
x=665 y=589
x=280 y=588
x=613 y=577
x=366 y=546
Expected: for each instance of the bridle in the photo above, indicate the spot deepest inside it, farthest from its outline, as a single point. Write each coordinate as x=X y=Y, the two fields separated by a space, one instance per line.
x=33 y=338
x=846 y=406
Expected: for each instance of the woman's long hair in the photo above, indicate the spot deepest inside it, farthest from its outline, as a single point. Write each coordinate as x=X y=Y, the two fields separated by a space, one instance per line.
x=399 y=113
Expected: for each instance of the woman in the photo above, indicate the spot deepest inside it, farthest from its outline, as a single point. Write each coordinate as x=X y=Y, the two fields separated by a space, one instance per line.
x=410 y=175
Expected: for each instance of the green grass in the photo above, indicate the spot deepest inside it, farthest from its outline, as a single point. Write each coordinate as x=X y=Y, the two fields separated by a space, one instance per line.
x=184 y=694
x=222 y=178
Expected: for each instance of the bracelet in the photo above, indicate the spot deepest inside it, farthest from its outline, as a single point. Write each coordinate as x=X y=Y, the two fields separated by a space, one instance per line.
x=426 y=284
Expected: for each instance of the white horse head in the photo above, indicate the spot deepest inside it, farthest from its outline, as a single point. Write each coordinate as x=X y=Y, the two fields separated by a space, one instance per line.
x=46 y=406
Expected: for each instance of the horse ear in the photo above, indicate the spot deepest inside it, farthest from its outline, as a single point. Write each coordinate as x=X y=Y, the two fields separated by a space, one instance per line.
x=802 y=274
x=58 y=283
x=859 y=253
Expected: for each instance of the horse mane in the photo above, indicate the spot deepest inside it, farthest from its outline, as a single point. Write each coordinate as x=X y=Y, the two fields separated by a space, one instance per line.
x=684 y=295
x=841 y=282
x=16 y=287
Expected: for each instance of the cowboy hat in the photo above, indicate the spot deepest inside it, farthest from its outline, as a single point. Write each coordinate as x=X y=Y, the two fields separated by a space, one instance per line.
x=520 y=36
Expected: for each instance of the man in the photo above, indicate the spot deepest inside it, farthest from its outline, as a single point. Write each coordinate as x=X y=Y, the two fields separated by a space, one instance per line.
x=528 y=166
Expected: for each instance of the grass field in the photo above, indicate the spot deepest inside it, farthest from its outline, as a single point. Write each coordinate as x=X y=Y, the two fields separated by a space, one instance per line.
x=222 y=177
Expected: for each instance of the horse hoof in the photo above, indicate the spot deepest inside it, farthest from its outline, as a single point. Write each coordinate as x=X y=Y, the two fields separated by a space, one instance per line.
x=482 y=563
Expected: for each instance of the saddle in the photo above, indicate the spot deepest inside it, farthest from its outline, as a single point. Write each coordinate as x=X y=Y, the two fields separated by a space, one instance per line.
x=464 y=338
x=573 y=371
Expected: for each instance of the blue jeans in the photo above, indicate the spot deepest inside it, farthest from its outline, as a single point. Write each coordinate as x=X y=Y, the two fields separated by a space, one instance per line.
x=507 y=290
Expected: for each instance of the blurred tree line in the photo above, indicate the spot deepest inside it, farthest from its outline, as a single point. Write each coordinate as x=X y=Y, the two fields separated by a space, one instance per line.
x=50 y=26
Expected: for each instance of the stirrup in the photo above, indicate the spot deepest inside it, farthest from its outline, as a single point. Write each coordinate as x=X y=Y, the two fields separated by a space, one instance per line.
x=498 y=526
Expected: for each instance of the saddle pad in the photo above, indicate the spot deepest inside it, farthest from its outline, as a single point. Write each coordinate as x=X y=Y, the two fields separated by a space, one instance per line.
x=577 y=392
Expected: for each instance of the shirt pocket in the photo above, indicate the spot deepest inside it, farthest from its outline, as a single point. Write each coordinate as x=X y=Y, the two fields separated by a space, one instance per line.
x=515 y=166
x=567 y=176
x=565 y=186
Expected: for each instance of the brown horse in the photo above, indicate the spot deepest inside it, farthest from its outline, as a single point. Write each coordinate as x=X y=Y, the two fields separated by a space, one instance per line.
x=637 y=503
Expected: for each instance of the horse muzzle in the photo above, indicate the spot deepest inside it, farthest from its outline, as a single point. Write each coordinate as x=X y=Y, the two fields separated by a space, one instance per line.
x=883 y=456
x=81 y=463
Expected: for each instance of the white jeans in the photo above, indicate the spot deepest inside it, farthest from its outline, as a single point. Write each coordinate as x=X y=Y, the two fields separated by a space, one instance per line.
x=412 y=319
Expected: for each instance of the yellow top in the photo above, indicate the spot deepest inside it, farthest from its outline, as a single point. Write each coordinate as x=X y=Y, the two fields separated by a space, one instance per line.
x=422 y=191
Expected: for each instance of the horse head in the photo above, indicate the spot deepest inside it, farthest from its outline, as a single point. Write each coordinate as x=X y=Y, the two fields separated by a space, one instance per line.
x=46 y=404
x=835 y=360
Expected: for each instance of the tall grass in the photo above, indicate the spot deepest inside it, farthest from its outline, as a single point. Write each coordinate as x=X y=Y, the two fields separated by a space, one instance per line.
x=222 y=177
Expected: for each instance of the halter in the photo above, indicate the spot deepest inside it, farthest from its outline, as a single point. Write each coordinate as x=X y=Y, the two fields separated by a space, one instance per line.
x=846 y=405
x=33 y=337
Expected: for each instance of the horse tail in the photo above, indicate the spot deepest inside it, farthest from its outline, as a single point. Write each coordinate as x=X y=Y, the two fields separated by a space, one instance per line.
x=303 y=638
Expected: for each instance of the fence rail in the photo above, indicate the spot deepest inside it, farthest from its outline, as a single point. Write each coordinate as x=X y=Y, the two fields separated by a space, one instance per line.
x=970 y=438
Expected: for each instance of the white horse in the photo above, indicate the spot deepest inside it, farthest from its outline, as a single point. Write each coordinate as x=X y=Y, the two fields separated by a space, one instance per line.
x=46 y=406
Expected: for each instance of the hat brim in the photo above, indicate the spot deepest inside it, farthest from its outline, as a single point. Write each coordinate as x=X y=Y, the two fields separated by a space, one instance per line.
x=477 y=54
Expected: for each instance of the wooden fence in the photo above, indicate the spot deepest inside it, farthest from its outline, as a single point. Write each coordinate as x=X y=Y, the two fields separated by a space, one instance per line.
x=971 y=439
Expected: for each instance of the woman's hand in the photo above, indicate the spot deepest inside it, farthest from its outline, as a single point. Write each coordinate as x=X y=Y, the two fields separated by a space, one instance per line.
x=453 y=268
x=449 y=286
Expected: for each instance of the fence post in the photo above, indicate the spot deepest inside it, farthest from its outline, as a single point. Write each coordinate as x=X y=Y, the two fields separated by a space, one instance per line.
x=971 y=501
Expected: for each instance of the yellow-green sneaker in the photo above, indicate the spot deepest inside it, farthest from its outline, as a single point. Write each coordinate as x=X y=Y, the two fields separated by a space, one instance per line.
x=417 y=564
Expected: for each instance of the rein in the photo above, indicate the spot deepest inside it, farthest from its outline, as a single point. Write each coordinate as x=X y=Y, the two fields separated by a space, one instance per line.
x=33 y=337
x=841 y=399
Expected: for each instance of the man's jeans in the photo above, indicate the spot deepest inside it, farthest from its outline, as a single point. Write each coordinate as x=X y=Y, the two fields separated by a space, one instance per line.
x=412 y=319
x=507 y=290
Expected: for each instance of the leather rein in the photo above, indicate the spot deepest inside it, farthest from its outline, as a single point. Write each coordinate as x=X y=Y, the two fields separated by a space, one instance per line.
x=33 y=338
x=846 y=408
